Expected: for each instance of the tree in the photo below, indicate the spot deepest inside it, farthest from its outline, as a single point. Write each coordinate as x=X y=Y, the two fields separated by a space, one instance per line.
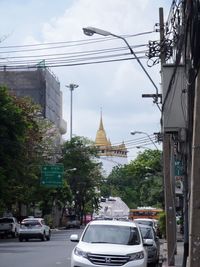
x=138 y=183
x=27 y=141
x=13 y=127
x=80 y=153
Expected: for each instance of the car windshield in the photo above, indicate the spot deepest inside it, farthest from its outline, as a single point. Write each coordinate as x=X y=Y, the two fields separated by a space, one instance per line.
x=31 y=223
x=6 y=220
x=146 y=232
x=112 y=234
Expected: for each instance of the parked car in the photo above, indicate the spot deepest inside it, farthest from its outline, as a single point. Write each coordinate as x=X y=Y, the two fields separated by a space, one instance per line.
x=34 y=228
x=109 y=243
x=153 y=248
x=9 y=226
x=150 y=222
x=73 y=222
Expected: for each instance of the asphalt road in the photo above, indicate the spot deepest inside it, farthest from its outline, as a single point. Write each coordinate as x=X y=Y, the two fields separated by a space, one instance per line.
x=35 y=253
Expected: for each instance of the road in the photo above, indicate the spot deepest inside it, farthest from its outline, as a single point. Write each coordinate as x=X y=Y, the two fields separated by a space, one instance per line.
x=34 y=253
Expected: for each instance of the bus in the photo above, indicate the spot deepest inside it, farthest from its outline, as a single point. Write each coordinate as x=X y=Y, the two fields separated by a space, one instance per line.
x=145 y=212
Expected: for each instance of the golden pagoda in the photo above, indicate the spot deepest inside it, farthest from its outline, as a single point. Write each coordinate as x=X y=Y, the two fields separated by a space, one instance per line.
x=105 y=147
x=101 y=139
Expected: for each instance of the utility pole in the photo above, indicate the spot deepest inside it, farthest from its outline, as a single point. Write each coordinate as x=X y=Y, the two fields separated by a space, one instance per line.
x=71 y=87
x=194 y=237
x=168 y=163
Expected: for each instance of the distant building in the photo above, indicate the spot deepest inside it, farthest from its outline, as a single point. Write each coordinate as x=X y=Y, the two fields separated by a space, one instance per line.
x=42 y=87
x=110 y=155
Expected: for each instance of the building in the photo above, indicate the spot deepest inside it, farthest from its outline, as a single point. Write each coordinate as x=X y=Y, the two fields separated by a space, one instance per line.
x=42 y=87
x=110 y=155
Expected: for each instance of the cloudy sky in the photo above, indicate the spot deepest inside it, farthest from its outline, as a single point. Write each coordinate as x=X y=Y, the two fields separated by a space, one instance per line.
x=115 y=87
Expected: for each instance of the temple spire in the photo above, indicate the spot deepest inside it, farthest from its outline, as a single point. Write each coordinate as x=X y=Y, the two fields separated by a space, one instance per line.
x=101 y=122
x=101 y=139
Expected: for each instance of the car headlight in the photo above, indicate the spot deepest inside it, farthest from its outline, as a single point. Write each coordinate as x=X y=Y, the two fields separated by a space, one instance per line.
x=136 y=256
x=80 y=253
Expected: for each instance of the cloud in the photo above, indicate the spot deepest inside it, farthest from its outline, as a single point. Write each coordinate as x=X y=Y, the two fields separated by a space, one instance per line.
x=116 y=87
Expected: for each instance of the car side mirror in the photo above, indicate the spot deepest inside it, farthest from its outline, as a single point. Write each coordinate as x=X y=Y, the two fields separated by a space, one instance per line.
x=74 y=238
x=148 y=242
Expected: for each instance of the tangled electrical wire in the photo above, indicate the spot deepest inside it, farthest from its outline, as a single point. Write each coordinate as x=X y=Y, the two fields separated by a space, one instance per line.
x=172 y=31
x=192 y=40
x=156 y=49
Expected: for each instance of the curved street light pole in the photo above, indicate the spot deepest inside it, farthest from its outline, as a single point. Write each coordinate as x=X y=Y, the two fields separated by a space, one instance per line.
x=91 y=30
x=139 y=132
x=71 y=87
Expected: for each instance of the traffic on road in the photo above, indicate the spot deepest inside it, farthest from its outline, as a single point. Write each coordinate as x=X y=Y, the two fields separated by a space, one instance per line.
x=57 y=252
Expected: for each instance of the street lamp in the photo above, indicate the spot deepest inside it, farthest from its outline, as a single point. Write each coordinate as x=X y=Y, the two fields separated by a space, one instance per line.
x=71 y=87
x=138 y=132
x=91 y=30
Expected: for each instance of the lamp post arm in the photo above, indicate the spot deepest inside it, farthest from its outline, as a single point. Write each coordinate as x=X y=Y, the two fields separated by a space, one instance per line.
x=152 y=141
x=139 y=132
x=133 y=53
x=92 y=30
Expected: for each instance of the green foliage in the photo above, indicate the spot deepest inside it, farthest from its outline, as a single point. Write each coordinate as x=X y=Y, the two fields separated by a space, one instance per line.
x=27 y=141
x=23 y=135
x=79 y=153
x=138 y=183
x=162 y=224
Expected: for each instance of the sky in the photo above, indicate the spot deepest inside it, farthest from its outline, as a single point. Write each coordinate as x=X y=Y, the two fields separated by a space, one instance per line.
x=113 y=88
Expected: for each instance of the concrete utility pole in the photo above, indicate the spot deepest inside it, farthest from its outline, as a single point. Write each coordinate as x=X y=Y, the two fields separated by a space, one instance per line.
x=169 y=201
x=194 y=236
x=71 y=87
x=168 y=184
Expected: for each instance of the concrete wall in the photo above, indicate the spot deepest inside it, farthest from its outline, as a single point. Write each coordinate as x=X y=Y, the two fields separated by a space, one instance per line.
x=41 y=86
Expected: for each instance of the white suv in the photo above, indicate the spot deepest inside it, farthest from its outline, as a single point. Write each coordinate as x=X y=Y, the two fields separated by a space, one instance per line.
x=9 y=226
x=34 y=228
x=109 y=243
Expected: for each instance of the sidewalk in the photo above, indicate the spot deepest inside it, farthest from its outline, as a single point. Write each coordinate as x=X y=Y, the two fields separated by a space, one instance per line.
x=178 y=256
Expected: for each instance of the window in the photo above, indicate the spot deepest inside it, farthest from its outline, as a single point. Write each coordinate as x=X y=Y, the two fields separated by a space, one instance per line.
x=112 y=234
x=6 y=220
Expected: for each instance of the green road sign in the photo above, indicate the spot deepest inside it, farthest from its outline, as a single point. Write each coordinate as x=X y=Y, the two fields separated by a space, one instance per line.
x=178 y=168
x=52 y=175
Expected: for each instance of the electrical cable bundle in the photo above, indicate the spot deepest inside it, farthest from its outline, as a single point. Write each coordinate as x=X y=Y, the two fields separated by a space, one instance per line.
x=68 y=53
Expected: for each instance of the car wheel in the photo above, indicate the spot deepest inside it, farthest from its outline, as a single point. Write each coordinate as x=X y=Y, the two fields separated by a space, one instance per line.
x=26 y=239
x=48 y=236
x=20 y=239
x=43 y=237
x=14 y=234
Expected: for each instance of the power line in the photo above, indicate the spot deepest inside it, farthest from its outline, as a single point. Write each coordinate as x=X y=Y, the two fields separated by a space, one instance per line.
x=28 y=53
x=78 y=57
x=94 y=40
x=20 y=67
